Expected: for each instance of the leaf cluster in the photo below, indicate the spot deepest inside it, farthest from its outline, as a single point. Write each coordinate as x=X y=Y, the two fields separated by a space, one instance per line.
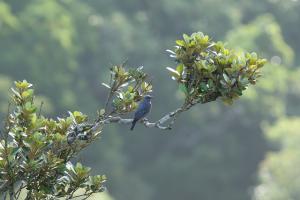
x=208 y=70
x=127 y=87
x=35 y=151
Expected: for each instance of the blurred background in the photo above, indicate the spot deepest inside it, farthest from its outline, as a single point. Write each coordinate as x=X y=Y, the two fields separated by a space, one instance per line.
x=248 y=151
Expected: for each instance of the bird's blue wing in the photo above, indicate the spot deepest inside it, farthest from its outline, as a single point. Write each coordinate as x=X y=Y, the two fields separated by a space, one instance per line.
x=142 y=110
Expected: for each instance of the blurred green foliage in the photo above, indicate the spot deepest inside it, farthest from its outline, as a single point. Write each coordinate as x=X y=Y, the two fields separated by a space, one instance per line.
x=65 y=48
x=279 y=179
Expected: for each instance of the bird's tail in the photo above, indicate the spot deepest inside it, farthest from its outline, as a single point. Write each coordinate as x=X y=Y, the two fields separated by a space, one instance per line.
x=133 y=124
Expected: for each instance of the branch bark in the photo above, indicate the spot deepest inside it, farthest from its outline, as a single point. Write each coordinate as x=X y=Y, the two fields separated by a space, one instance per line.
x=158 y=124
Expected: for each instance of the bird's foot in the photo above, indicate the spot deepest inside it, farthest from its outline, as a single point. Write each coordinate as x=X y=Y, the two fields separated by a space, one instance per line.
x=144 y=120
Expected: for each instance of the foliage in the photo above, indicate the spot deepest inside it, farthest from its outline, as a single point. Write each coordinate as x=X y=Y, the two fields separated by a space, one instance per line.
x=35 y=153
x=207 y=70
x=265 y=31
x=278 y=179
x=128 y=86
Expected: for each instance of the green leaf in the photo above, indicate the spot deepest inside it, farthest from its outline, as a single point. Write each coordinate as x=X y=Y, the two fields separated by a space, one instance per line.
x=105 y=85
x=254 y=55
x=203 y=87
x=29 y=107
x=211 y=68
x=186 y=38
x=79 y=117
x=130 y=88
x=173 y=72
x=261 y=62
x=210 y=83
x=101 y=112
x=146 y=86
x=180 y=43
x=27 y=93
x=204 y=40
x=23 y=84
x=183 y=88
x=226 y=78
x=180 y=68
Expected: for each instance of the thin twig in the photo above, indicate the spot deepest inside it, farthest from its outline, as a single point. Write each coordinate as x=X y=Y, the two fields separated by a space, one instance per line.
x=3 y=187
x=87 y=196
x=109 y=96
x=158 y=124
x=40 y=110
x=81 y=195
x=22 y=186
x=4 y=197
x=71 y=195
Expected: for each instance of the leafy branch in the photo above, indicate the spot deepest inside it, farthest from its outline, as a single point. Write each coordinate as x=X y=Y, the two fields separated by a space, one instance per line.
x=205 y=71
x=36 y=152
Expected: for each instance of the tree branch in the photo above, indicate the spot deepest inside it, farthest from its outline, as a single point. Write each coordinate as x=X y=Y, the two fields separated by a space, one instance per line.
x=158 y=124
x=18 y=192
x=85 y=195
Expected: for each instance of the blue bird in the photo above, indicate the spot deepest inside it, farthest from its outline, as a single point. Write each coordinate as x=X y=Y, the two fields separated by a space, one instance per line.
x=142 y=110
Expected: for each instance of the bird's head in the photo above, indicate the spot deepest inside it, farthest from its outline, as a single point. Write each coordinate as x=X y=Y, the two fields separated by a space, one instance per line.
x=147 y=97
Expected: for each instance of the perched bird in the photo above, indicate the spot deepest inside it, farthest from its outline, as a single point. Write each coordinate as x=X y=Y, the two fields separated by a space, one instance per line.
x=142 y=110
